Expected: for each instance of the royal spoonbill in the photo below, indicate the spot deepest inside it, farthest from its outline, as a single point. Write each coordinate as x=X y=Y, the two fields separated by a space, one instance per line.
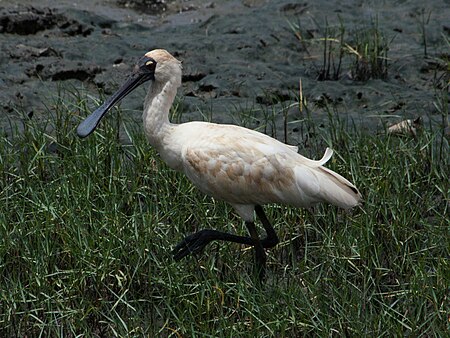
x=243 y=167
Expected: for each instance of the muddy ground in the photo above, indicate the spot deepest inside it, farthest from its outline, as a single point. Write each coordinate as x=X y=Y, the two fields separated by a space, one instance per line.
x=242 y=59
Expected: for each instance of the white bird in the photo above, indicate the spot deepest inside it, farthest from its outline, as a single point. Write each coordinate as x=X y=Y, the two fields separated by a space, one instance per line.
x=240 y=166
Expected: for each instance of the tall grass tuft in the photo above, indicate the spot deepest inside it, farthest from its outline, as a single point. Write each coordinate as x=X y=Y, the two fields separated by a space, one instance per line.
x=361 y=52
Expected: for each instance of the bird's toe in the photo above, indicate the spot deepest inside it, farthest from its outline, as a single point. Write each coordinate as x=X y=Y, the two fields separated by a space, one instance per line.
x=192 y=244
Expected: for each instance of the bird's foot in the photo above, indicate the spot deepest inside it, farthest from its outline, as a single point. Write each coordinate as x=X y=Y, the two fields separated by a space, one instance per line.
x=193 y=244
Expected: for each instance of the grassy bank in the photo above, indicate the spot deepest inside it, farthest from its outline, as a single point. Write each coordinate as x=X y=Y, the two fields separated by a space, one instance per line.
x=87 y=226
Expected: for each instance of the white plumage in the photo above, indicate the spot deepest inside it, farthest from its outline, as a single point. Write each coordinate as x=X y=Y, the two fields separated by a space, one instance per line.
x=236 y=164
x=240 y=166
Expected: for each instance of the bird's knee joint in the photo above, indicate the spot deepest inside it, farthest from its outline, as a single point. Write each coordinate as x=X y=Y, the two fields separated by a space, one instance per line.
x=270 y=242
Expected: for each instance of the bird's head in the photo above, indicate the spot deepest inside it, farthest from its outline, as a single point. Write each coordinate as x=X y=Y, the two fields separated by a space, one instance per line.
x=157 y=66
x=167 y=67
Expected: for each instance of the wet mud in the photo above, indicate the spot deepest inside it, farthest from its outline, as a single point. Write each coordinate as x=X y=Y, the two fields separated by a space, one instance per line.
x=243 y=60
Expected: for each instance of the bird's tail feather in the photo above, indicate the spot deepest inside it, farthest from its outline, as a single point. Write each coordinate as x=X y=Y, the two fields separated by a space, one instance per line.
x=325 y=158
x=341 y=193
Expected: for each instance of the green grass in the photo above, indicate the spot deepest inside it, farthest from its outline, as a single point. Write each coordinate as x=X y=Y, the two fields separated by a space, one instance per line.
x=361 y=52
x=87 y=226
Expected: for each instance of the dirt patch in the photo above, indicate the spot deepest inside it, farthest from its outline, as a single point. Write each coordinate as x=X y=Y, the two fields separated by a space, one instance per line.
x=237 y=56
x=31 y=20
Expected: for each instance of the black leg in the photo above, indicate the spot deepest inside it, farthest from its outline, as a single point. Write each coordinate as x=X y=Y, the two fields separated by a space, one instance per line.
x=196 y=242
x=271 y=238
x=260 y=255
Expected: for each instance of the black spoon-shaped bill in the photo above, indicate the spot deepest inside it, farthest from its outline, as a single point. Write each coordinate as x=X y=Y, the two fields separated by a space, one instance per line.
x=144 y=71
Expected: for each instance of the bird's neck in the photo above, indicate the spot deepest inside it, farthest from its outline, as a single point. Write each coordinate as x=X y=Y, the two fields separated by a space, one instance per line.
x=157 y=104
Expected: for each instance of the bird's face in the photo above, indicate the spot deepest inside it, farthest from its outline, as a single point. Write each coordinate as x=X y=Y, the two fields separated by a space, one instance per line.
x=155 y=65
x=168 y=68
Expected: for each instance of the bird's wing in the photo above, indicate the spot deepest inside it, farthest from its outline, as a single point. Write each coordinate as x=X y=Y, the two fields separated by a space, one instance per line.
x=244 y=169
x=241 y=166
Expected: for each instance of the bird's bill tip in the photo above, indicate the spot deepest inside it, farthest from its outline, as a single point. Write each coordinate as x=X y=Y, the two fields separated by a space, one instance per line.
x=88 y=125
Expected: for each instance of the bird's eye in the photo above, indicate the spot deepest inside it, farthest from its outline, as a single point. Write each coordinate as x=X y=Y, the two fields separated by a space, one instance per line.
x=149 y=63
